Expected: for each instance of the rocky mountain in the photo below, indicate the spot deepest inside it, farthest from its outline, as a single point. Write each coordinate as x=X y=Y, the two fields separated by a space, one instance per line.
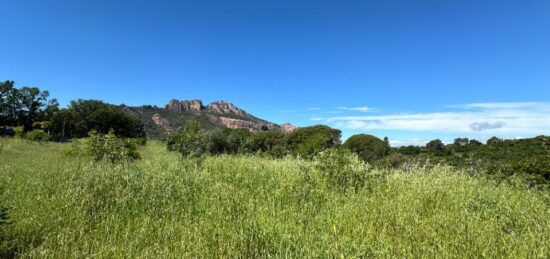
x=161 y=122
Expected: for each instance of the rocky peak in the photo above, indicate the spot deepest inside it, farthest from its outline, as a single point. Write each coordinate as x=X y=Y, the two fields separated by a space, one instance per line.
x=287 y=128
x=187 y=105
x=222 y=107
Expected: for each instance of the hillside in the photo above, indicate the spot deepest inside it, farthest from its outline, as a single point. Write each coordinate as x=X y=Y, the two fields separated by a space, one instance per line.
x=160 y=122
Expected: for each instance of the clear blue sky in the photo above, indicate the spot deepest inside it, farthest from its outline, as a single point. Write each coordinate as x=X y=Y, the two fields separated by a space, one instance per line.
x=424 y=69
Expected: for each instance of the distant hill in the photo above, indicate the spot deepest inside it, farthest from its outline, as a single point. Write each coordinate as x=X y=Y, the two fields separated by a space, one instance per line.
x=160 y=122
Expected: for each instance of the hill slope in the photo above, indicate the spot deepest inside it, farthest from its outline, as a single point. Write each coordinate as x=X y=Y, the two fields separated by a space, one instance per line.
x=160 y=122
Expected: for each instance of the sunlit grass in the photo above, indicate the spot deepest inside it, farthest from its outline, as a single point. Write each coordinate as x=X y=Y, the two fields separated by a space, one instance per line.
x=163 y=206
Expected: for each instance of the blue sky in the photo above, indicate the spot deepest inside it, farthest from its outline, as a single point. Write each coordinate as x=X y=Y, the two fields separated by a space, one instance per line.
x=409 y=70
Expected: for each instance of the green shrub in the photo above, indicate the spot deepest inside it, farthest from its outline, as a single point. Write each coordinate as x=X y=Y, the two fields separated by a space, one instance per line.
x=394 y=160
x=19 y=132
x=342 y=169
x=37 y=135
x=309 y=141
x=535 y=170
x=367 y=147
x=111 y=148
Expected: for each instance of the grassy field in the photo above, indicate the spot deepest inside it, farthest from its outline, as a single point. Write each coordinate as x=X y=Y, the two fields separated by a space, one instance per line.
x=165 y=207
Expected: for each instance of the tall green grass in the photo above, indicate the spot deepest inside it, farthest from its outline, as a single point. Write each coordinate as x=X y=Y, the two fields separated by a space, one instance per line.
x=163 y=206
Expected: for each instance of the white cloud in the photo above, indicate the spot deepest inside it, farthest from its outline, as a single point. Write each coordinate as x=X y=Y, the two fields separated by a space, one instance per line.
x=490 y=118
x=358 y=109
x=408 y=142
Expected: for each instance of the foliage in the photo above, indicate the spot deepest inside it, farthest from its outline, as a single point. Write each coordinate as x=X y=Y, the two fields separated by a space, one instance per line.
x=19 y=132
x=436 y=147
x=342 y=169
x=270 y=142
x=246 y=206
x=535 y=170
x=111 y=148
x=308 y=141
x=24 y=106
x=37 y=135
x=367 y=147
x=83 y=116
x=194 y=142
x=187 y=141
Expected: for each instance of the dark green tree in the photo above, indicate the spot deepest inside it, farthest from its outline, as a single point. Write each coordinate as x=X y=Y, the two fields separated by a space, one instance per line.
x=82 y=116
x=436 y=147
x=367 y=147
x=308 y=141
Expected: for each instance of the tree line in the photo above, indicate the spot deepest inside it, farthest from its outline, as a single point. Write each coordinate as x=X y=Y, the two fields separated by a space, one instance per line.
x=33 y=113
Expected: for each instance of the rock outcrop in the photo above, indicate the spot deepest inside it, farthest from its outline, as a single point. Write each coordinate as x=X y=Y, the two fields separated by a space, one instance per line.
x=188 y=106
x=215 y=114
x=288 y=128
x=222 y=107
x=244 y=124
x=163 y=123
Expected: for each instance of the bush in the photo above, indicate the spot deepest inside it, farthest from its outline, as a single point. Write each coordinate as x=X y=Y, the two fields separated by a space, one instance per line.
x=37 y=135
x=187 y=141
x=342 y=169
x=367 y=147
x=111 y=148
x=19 y=132
x=266 y=142
x=309 y=141
x=535 y=170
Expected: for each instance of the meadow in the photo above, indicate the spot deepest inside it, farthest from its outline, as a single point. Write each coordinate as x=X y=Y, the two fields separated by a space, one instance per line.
x=163 y=206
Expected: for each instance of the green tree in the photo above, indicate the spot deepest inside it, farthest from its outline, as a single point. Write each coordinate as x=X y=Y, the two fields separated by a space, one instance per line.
x=187 y=141
x=461 y=142
x=32 y=102
x=367 y=147
x=83 y=116
x=272 y=141
x=308 y=141
x=436 y=147
x=7 y=114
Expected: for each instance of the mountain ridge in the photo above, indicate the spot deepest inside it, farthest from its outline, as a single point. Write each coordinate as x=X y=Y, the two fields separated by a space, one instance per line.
x=161 y=122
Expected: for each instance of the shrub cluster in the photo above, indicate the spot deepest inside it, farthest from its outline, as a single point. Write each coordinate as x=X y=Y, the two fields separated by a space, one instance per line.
x=535 y=170
x=112 y=148
x=193 y=141
x=34 y=135
x=342 y=169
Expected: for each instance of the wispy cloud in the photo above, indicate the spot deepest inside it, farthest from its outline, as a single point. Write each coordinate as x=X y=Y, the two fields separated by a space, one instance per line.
x=490 y=118
x=313 y=109
x=358 y=109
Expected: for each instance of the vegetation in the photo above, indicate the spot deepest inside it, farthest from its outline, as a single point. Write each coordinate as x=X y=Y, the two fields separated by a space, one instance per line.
x=194 y=141
x=82 y=116
x=247 y=206
x=111 y=148
x=309 y=141
x=24 y=106
x=111 y=193
x=368 y=147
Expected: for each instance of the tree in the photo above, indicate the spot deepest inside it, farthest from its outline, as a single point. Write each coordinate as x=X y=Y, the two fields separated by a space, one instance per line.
x=82 y=116
x=6 y=91
x=270 y=142
x=24 y=106
x=309 y=141
x=367 y=147
x=494 y=141
x=65 y=122
x=187 y=141
x=32 y=102
x=461 y=142
x=436 y=146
